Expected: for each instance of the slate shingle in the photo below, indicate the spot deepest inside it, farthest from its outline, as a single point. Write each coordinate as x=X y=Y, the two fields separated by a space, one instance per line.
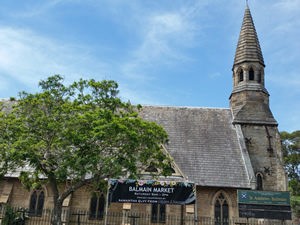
x=248 y=47
x=203 y=143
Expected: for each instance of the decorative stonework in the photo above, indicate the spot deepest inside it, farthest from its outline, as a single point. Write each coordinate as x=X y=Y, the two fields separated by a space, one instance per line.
x=249 y=103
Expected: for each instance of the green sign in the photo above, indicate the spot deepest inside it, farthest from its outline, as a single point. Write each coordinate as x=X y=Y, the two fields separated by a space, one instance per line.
x=263 y=197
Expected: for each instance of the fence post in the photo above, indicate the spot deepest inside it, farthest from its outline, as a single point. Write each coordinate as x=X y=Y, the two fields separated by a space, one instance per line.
x=107 y=202
x=196 y=205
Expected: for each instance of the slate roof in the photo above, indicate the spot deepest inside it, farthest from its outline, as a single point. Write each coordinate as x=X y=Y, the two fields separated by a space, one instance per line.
x=204 y=144
x=253 y=113
x=248 y=47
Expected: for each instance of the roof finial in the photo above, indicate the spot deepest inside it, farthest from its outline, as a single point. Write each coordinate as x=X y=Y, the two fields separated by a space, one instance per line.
x=247 y=4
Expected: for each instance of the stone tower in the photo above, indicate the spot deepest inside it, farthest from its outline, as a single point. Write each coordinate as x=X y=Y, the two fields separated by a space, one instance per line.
x=249 y=102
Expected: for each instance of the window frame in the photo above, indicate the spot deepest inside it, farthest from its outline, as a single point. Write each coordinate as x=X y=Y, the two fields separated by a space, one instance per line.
x=251 y=74
x=259 y=182
x=158 y=213
x=241 y=75
x=98 y=211
x=36 y=203
x=259 y=77
x=221 y=207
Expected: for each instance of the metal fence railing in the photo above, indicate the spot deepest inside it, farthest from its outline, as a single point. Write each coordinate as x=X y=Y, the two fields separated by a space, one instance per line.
x=19 y=216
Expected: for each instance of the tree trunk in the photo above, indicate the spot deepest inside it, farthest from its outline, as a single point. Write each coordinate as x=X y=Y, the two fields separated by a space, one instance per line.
x=57 y=200
x=57 y=211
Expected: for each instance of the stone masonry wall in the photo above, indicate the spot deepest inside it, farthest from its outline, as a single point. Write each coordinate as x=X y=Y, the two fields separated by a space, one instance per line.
x=206 y=196
x=264 y=147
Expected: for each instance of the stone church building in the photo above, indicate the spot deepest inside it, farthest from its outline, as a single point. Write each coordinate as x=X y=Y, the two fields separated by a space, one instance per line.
x=221 y=150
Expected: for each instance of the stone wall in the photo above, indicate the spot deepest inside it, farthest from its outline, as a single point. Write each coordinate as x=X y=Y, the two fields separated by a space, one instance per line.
x=264 y=147
x=20 y=197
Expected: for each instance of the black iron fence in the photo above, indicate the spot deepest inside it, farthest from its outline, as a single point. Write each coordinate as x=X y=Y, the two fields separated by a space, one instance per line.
x=20 y=216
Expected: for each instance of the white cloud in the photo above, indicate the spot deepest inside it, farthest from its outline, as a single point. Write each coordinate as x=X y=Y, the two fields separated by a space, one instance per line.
x=164 y=37
x=27 y=57
x=39 y=8
x=280 y=42
x=164 y=34
x=288 y=5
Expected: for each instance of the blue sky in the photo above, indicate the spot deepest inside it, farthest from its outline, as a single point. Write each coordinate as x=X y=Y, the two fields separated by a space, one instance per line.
x=161 y=52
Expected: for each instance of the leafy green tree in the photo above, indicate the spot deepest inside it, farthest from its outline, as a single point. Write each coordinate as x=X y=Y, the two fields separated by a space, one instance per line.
x=291 y=154
x=76 y=135
x=9 y=216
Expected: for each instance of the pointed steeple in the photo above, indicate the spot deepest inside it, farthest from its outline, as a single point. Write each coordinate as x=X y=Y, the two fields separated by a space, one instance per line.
x=249 y=99
x=248 y=48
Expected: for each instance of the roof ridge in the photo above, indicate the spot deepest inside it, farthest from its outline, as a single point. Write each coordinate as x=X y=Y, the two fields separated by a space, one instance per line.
x=187 y=107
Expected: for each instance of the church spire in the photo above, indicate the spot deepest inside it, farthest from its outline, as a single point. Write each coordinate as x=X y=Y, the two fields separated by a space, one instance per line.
x=249 y=98
x=248 y=48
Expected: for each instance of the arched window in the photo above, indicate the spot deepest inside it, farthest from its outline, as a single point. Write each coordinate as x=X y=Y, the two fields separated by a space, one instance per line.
x=251 y=74
x=158 y=213
x=36 y=204
x=259 y=77
x=97 y=206
x=259 y=182
x=241 y=75
x=221 y=210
